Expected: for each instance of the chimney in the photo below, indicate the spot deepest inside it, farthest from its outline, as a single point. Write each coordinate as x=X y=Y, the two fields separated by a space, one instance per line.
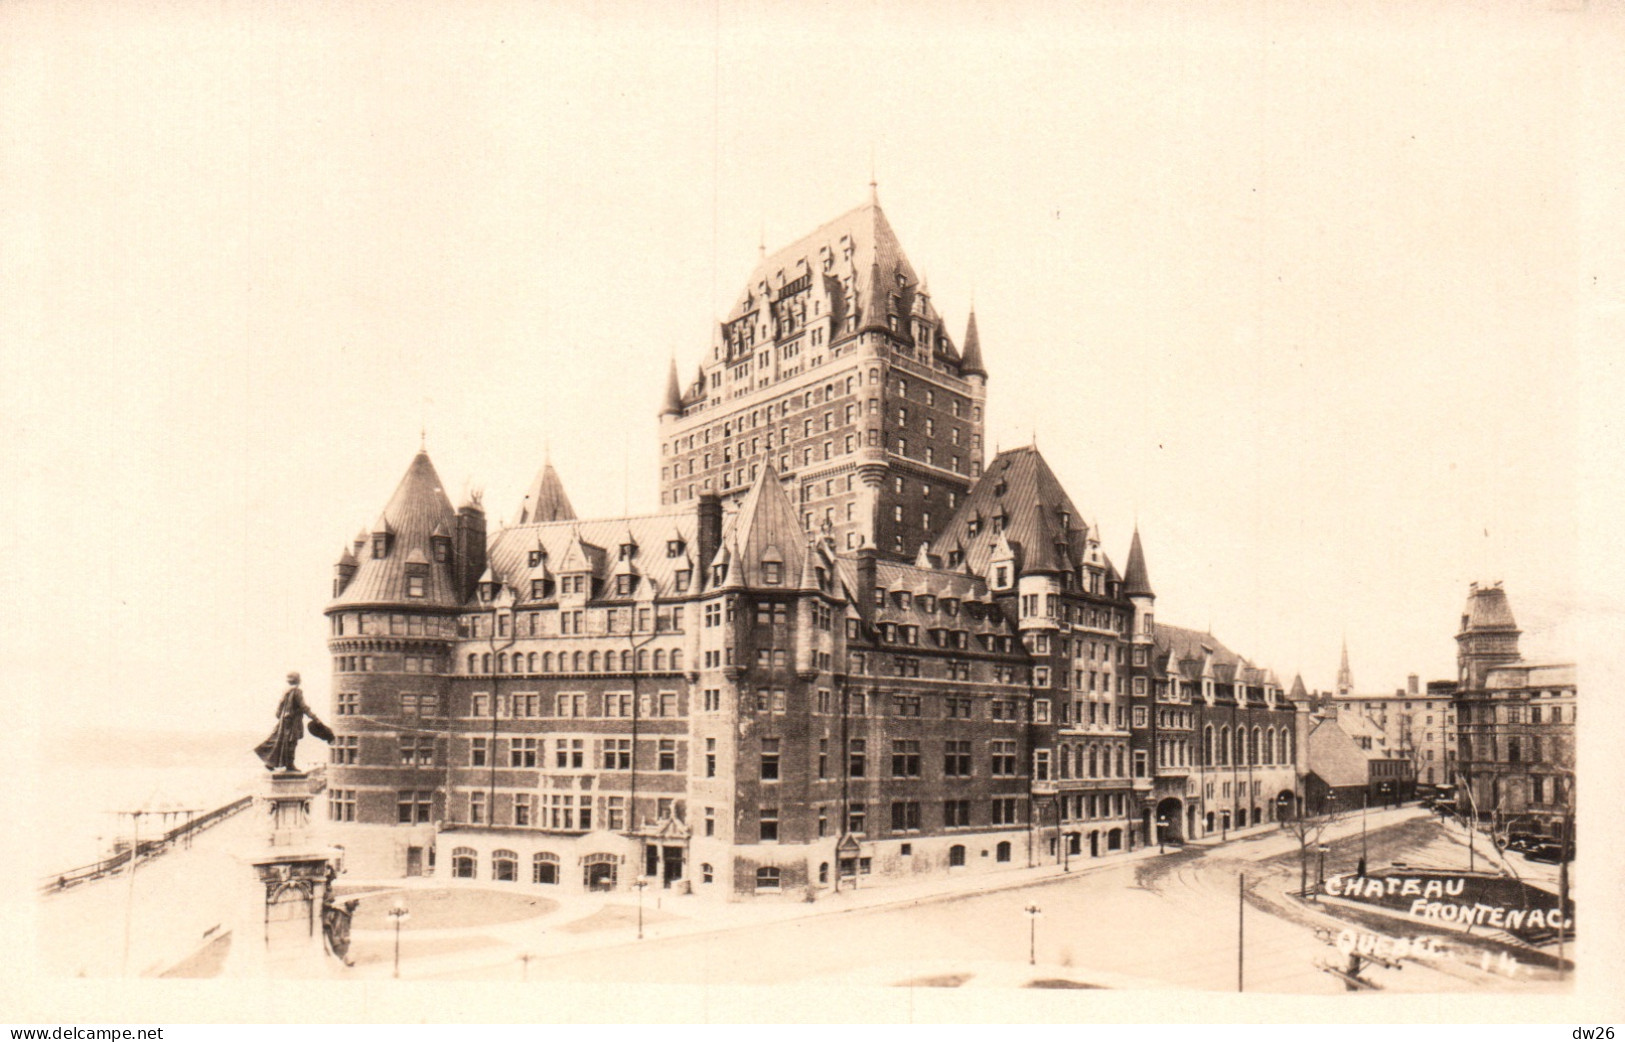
x=866 y=582
x=469 y=551
x=1411 y=683
x=708 y=513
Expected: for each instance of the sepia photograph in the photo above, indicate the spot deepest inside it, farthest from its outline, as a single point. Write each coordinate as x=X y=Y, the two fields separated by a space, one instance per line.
x=830 y=513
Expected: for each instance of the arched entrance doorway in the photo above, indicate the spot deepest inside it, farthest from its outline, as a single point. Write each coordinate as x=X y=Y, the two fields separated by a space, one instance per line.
x=1171 y=820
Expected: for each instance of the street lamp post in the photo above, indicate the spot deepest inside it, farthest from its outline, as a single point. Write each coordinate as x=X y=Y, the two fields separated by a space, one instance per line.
x=1364 y=799
x=1162 y=829
x=1033 y=912
x=399 y=914
x=639 y=885
x=1322 y=883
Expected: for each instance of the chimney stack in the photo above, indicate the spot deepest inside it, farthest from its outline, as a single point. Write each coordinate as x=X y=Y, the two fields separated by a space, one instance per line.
x=1411 y=684
x=708 y=512
x=866 y=582
x=470 y=548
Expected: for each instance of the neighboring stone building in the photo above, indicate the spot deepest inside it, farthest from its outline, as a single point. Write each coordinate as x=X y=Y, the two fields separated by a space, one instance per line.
x=1346 y=765
x=840 y=650
x=1516 y=722
x=1417 y=726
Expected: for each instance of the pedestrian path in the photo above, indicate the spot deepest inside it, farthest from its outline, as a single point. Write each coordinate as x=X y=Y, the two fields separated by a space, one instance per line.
x=583 y=922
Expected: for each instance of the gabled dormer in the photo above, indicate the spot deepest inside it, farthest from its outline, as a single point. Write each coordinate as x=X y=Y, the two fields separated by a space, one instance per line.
x=488 y=589
x=383 y=539
x=1003 y=567
x=417 y=574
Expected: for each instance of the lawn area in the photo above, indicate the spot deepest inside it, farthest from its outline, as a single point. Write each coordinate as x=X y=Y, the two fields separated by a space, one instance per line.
x=615 y=917
x=440 y=909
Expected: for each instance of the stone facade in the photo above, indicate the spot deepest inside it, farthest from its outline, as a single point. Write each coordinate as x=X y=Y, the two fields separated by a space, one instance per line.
x=822 y=663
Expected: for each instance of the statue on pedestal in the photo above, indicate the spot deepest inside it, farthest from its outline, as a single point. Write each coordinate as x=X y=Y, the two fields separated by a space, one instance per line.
x=278 y=749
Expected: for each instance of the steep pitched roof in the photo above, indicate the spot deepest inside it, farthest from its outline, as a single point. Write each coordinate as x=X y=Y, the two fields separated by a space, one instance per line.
x=674 y=394
x=1019 y=486
x=860 y=244
x=1488 y=609
x=1136 y=580
x=765 y=528
x=970 y=357
x=546 y=500
x=414 y=513
x=1335 y=756
x=568 y=544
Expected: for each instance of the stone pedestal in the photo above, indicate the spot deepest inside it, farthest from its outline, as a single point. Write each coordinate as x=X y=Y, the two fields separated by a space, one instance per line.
x=279 y=932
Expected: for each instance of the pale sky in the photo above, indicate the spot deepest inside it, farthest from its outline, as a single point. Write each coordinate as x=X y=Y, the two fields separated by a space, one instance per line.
x=1298 y=291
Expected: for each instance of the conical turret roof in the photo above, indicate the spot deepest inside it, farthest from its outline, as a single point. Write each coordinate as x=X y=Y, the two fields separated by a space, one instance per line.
x=970 y=356
x=1136 y=580
x=415 y=512
x=546 y=500
x=674 y=394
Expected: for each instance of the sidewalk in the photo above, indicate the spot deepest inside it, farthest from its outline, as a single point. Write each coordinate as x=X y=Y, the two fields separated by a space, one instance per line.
x=670 y=915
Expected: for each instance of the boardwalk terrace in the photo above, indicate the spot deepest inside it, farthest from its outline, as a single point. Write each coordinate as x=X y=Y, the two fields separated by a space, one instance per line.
x=842 y=651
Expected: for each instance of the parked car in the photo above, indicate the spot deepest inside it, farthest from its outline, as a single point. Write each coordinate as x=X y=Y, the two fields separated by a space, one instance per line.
x=1547 y=853
x=1524 y=841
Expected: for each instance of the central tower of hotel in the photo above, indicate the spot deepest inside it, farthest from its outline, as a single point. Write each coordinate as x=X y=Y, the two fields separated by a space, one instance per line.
x=834 y=368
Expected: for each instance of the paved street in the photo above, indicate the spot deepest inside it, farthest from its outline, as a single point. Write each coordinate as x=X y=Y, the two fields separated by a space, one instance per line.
x=1169 y=918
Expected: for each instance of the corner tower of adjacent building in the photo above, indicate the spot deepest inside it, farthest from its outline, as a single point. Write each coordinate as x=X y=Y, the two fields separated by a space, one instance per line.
x=834 y=367
x=1488 y=636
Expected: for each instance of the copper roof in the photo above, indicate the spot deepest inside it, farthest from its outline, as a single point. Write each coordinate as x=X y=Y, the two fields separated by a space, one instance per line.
x=597 y=543
x=1137 y=581
x=418 y=507
x=546 y=500
x=1040 y=521
x=1487 y=608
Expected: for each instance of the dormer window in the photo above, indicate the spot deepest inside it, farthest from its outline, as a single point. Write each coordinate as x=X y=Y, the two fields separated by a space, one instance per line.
x=928 y=603
x=625 y=584
x=905 y=600
x=537 y=557
x=956 y=558
x=538 y=589
x=950 y=606
x=417 y=581
x=772 y=573
x=974 y=525
x=488 y=591
x=682 y=580
x=442 y=548
x=380 y=545
x=1001 y=576
x=719 y=573
x=1001 y=488
x=674 y=548
x=628 y=551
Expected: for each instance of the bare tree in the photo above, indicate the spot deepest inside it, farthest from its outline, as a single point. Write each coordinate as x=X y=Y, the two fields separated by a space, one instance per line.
x=1308 y=829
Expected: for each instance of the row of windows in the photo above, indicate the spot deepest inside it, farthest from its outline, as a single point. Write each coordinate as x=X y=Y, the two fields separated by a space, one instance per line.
x=363 y=624
x=1084 y=761
x=1083 y=807
x=1510 y=748
x=610 y=705
x=1258 y=747
x=624 y=661
x=597 y=622
x=570 y=754
x=905 y=816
